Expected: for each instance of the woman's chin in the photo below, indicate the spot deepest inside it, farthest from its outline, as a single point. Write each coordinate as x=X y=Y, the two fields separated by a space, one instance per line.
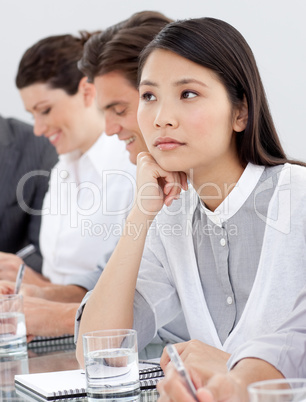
x=169 y=165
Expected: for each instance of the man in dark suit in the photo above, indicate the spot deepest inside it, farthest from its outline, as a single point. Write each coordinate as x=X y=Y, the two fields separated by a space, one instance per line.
x=25 y=164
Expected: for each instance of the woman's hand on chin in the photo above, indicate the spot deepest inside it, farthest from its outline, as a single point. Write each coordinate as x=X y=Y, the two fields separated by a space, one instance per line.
x=156 y=186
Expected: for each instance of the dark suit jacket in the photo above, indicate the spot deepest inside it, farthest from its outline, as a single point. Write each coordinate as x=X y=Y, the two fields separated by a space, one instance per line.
x=20 y=153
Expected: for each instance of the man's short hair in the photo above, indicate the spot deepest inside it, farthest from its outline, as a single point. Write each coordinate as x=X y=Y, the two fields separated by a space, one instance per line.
x=119 y=46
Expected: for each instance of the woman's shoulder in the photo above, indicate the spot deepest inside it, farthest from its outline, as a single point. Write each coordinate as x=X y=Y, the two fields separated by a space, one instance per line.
x=292 y=177
x=296 y=172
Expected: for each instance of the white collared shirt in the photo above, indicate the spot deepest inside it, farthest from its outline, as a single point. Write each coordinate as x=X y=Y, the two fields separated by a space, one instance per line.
x=237 y=197
x=84 y=210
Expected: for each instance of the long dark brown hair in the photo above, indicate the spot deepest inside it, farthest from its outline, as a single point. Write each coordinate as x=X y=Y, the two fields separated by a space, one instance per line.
x=217 y=45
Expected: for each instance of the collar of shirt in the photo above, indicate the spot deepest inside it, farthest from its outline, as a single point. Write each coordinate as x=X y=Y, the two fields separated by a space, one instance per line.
x=106 y=154
x=237 y=197
x=93 y=155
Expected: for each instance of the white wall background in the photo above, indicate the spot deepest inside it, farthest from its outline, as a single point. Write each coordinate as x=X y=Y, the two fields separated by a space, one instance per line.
x=275 y=30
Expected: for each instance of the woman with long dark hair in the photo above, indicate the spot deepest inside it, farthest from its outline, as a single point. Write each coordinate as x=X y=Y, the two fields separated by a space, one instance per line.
x=228 y=254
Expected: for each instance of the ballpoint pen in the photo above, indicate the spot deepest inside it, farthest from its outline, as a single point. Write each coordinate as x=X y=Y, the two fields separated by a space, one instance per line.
x=26 y=251
x=19 y=278
x=180 y=368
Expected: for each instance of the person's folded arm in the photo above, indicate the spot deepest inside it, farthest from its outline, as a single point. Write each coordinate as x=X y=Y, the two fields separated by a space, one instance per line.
x=47 y=318
x=73 y=292
x=9 y=266
x=51 y=292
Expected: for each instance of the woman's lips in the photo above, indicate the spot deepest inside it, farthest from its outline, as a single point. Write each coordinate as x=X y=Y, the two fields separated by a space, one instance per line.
x=53 y=138
x=167 y=144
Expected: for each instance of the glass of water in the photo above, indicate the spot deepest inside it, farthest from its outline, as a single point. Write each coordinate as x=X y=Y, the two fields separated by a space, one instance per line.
x=284 y=390
x=111 y=364
x=13 y=340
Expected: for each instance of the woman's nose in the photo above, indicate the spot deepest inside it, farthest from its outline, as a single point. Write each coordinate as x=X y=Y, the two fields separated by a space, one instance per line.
x=165 y=118
x=39 y=127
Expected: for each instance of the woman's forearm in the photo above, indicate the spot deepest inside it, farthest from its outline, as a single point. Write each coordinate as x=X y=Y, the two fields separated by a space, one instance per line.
x=111 y=302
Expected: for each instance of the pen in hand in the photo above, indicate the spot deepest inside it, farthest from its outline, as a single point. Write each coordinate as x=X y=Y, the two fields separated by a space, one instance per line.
x=26 y=251
x=19 y=278
x=180 y=368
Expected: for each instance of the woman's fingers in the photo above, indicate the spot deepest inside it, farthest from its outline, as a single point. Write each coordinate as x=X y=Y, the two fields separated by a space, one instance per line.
x=172 y=388
x=155 y=185
x=176 y=182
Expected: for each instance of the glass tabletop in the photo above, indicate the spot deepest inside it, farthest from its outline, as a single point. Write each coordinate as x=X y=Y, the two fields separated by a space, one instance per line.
x=53 y=360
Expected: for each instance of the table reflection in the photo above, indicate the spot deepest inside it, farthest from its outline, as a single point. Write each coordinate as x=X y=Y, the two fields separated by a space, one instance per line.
x=57 y=360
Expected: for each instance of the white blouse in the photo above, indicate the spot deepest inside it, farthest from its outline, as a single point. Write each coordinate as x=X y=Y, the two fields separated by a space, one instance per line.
x=84 y=210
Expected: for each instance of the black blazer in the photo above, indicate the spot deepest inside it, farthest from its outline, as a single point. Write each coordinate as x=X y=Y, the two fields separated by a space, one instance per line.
x=20 y=153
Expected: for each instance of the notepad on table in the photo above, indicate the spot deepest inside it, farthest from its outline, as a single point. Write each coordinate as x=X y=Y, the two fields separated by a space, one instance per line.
x=51 y=340
x=45 y=344
x=72 y=383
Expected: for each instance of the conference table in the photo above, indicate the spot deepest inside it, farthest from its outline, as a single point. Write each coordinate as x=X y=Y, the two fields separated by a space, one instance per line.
x=53 y=359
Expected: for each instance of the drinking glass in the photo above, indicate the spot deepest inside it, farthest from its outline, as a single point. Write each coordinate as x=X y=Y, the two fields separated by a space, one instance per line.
x=8 y=369
x=284 y=390
x=111 y=364
x=13 y=341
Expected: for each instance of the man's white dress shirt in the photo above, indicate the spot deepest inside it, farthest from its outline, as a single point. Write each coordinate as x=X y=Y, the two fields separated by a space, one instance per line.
x=84 y=210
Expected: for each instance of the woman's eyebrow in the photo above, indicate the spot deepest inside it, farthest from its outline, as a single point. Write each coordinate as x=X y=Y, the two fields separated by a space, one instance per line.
x=149 y=83
x=182 y=81
x=38 y=104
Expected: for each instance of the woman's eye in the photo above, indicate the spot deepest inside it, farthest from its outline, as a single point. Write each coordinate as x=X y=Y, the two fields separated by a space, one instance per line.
x=46 y=111
x=148 y=97
x=188 y=95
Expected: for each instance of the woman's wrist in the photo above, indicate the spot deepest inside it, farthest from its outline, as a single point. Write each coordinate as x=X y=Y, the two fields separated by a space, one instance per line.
x=137 y=223
x=140 y=215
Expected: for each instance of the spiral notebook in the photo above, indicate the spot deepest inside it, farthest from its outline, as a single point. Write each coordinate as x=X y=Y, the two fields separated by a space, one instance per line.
x=72 y=383
x=51 y=341
x=46 y=344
